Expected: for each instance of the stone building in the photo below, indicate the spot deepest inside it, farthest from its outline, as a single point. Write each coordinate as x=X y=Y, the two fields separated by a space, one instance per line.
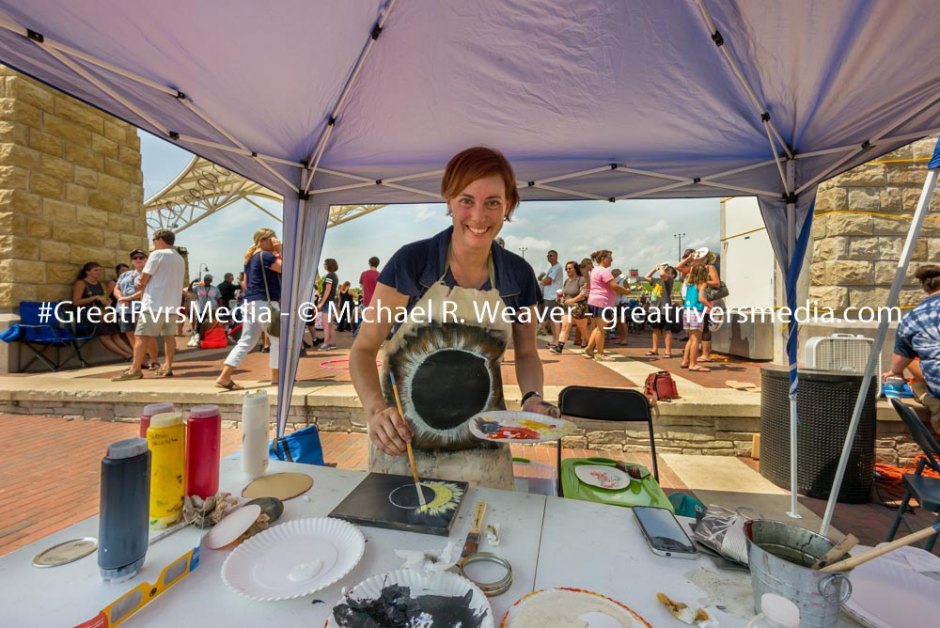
x=71 y=191
x=862 y=218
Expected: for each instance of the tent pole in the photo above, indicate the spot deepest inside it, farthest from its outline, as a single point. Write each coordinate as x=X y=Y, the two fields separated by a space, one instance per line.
x=792 y=340
x=916 y=223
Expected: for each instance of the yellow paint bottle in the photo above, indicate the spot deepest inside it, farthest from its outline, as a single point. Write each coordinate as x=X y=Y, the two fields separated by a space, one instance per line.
x=166 y=438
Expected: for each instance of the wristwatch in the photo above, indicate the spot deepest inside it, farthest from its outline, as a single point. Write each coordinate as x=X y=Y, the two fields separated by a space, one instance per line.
x=531 y=393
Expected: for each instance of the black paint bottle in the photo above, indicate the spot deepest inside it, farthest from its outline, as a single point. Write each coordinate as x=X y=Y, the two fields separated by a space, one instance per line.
x=123 y=510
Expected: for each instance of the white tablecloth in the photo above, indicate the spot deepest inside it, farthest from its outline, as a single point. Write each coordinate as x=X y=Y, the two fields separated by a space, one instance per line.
x=549 y=542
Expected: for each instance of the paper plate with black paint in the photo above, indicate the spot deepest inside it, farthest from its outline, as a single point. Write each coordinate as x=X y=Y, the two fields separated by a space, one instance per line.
x=441 y=599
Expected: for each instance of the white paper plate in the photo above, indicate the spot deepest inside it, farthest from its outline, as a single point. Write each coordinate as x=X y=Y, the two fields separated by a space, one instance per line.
x=293 y=559
x=232 y=526
x=444 y=583
x=886 y=594
x=569 y=607
x=603 y=476
x=485 y=426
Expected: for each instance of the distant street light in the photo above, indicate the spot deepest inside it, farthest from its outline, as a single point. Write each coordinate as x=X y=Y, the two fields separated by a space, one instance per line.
x=523 y=249
x=679 y=236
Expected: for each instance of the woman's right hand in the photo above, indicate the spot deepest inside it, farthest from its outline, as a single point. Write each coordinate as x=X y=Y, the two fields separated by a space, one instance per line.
x=389 y=431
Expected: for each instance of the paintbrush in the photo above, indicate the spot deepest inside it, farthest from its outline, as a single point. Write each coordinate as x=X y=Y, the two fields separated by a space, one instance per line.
x=871 y=554
x=411 y=453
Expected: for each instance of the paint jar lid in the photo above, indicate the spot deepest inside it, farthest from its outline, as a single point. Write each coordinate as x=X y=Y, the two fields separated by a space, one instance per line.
x=127 y=448
x=256 y=398
x=152 y=409
x=780 y=610
x=205 y=412
x=166 y=419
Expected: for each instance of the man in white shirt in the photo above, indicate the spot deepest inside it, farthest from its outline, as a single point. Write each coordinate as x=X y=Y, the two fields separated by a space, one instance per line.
x=552 y=282
x=161 y=283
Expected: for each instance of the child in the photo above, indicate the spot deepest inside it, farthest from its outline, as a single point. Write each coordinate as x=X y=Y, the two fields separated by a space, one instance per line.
x=694 y=316
x=662 y=314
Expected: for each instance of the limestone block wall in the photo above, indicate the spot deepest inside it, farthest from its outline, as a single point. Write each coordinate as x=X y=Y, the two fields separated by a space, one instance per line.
x=862 y=219
x=71 y=191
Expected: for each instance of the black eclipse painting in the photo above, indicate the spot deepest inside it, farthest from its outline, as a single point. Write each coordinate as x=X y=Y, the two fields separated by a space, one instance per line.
x=391 y=501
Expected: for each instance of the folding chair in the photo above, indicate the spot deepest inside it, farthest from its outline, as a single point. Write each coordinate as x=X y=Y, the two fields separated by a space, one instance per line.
x=925 y=489
x=607 y=404
x=40 y=337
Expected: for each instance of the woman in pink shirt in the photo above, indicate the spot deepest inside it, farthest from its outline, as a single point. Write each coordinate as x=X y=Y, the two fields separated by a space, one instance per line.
x=601 y=303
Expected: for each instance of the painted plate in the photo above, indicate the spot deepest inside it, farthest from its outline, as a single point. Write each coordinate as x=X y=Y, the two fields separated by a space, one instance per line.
x=887 y=593
x=603 y=476
x=569 y=607
x=473 y=612
x=518 y=427
x=293 y=559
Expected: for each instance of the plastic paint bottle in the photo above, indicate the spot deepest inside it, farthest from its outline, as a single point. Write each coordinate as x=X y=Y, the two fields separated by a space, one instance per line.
x=122 y=522
x=166 y=438
x=255 y=413
x=203 y=450
x=776 y=612
x=151 y=410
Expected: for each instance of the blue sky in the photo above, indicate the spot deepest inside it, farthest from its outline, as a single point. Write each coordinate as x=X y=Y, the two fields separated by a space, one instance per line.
x=639 y=232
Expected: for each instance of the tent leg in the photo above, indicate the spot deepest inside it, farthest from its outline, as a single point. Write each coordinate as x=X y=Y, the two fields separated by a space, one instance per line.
x=916 y=223
x=792 y=341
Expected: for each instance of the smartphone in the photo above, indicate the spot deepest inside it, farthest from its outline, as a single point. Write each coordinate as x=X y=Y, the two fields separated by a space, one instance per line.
x=663 y=532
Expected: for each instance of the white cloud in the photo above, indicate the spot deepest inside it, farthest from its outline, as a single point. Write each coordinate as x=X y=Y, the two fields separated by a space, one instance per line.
x=660 y=226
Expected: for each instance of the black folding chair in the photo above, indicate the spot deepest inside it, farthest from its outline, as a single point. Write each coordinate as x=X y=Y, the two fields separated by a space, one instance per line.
x=41 y=333
x=925 y=489
x=607 y=404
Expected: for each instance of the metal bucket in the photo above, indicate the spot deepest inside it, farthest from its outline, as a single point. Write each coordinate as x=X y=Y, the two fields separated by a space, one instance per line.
x=780 y=556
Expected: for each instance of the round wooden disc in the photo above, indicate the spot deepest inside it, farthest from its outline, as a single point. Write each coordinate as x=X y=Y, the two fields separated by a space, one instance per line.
x=65 y=553
x=281 y=485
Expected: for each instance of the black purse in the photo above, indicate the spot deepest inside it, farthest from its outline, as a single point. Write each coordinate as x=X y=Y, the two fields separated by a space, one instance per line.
x=714 y=294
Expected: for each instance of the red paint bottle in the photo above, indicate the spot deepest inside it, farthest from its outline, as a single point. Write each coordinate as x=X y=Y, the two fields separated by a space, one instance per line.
x=203 y=451
x=151 y=410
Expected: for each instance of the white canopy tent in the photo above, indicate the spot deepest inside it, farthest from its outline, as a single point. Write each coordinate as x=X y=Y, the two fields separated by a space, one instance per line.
x=363 y=101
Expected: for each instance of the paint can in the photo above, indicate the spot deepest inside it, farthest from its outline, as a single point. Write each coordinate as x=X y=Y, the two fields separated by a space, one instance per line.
x=255 y=414
x=166 y=438
x=123 y=508
x=151 y=410
x=203 y=451
x=780 y=556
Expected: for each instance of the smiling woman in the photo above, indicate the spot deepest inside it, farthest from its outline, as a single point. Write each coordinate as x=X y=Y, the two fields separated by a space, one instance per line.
x=447 y=361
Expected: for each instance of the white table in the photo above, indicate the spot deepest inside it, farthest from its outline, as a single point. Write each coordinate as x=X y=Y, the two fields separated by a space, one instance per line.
x=549 y=542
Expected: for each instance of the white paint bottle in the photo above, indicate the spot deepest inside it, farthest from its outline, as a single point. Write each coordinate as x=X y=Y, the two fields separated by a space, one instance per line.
x=255 y=413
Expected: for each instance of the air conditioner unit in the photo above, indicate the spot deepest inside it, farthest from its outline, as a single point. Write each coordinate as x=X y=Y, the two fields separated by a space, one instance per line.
x=846 y=353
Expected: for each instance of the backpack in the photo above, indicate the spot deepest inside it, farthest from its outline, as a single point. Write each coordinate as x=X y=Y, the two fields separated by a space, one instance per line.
x=660 y=386
x=214 y=338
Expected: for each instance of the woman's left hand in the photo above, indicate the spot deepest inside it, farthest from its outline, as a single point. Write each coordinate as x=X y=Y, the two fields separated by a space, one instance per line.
x=540 y=406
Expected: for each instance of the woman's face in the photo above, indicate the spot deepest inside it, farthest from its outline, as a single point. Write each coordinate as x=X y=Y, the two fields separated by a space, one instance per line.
x=138 y=261
x=94 y=273
x=267 y=244
x=570 y=269
x=478 y=212
x=607 y=261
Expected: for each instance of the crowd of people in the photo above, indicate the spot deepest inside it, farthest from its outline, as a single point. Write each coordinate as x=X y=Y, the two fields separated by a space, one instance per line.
x=600 y=304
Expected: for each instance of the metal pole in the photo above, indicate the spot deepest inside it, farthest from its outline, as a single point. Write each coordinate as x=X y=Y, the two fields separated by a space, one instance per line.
x=523 y=249
x=916 y=223
x=679 y=236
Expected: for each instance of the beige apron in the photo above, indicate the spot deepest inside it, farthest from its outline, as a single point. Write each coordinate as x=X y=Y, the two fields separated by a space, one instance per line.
x=446 y=359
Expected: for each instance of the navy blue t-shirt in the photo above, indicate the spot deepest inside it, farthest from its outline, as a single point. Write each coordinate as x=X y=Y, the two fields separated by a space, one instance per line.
x=417 y=266
x=254 y=289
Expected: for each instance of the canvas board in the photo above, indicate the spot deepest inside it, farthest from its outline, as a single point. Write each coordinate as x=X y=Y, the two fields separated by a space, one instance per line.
x=391 y=501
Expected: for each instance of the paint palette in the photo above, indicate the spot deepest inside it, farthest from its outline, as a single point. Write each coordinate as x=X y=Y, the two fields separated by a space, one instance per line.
x=391 y=501
x=410 y=598
x=570 y=607
x=518 y=427
x=603 y=476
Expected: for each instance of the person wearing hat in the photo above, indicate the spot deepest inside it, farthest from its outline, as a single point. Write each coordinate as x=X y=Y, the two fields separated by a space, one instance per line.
x=126 y=294
x=702 y=257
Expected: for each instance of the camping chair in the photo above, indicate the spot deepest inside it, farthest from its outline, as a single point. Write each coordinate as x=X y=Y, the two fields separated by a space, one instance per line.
x=40 y=337
x=606 y=404
x=925 y=489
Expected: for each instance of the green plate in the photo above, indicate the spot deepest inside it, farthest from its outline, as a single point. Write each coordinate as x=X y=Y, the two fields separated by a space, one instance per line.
x=644 y=492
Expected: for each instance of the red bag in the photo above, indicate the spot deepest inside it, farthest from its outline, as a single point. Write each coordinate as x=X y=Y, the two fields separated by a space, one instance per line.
x=660 y=387
x=214 y=338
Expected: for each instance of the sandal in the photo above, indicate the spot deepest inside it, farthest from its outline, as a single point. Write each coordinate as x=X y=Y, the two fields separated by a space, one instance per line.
x=700 y=369
x=602 y=357
x=685 y=366
x=587 y=356
x=652 y=354
x=230 y=387
x=667 y=355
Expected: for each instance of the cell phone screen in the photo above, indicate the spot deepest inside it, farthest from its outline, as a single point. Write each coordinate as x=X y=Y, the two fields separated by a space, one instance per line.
x=663 y=531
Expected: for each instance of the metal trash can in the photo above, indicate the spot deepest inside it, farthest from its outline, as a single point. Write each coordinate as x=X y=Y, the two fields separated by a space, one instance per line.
x=824 y=402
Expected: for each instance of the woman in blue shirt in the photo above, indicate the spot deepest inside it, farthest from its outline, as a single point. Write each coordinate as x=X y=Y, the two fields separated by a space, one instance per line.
x=448 y=296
